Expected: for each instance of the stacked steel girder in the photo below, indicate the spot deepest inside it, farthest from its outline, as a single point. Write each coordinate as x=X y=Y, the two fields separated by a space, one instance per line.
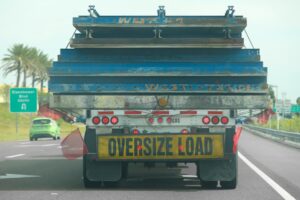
x=201 y=57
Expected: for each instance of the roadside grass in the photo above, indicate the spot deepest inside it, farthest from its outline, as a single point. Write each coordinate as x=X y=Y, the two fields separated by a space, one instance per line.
x=291 y=125
x=8 y=125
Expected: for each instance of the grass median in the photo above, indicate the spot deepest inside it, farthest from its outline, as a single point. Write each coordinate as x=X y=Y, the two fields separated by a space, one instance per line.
x=8 y=123
x=285 y=124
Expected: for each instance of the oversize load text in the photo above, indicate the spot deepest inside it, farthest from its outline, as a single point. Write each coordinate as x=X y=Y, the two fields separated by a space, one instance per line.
x=173 y=146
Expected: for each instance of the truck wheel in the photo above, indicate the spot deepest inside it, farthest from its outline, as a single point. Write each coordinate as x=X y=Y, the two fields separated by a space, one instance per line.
x=86 y=182
x=124 y=170
x=31 y=139
x=90 y=184
x=110 y=184
x=229 y=184
x=209 y=184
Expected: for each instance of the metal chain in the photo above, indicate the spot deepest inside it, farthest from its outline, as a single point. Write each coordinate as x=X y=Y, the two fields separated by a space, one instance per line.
x=249 y=39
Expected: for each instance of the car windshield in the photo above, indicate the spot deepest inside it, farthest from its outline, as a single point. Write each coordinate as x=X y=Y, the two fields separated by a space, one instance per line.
x=42 y=121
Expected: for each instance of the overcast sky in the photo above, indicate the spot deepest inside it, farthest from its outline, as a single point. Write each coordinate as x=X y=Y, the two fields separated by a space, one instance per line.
x=273 y=26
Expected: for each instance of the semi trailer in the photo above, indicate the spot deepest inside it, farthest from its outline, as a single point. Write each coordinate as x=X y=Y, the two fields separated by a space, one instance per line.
x=159 y=90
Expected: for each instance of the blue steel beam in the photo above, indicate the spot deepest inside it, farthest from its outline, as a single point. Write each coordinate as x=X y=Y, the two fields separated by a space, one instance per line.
x=168 y=55
x=128 y=88
x=229 y=69
x=170 y=80
x=193 y=21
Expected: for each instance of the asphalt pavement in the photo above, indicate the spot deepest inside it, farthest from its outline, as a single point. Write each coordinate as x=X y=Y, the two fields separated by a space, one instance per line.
x=37 y=170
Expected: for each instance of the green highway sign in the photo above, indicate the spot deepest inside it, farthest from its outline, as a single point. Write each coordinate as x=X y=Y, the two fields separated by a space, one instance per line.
x=295 y=109
x=23 y=100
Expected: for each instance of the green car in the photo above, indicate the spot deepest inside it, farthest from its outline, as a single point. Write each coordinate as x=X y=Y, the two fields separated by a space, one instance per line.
x=44 y=128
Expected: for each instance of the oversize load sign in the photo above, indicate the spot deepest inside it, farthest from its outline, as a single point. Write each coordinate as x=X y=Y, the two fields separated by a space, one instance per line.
x=169 y=146
x=23 y=100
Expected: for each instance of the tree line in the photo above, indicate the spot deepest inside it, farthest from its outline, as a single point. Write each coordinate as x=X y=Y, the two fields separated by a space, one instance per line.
x=26 y=62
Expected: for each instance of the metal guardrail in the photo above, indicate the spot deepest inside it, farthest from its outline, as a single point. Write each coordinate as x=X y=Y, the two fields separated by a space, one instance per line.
x=283 y=136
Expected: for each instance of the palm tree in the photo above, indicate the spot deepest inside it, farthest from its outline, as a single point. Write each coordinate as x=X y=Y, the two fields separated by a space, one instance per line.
x=44 y=64
x=15 y=60
x=30 y=66
x=33 y=64
x=29 y=61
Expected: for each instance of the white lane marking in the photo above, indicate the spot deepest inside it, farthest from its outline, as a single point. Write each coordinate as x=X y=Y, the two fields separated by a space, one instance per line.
x=37 y=145
x=22 y=143
x=13 y=176
x=14 y=156
x=283 y=193
x=49 y=145
x=188 y=176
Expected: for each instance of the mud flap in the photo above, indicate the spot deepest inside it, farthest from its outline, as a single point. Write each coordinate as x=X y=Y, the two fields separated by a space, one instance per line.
x=214 y=170
x=97 y=171
x=103 y=171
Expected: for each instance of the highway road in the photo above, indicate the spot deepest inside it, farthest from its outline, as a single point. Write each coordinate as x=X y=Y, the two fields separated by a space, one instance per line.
x=37 y=170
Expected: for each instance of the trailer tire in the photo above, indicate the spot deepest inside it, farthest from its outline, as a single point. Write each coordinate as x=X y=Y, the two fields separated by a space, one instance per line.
x=90 y=184
x=124 y=170
x=209 y=184
x=229 y=184
x=110 y=184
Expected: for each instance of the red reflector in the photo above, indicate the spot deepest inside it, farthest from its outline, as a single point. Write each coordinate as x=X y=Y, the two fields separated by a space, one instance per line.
x=180 y=147
x=151 y=120
x=160 y=112
x=205 y=120
x=135 y=132
x=224 y=120
x=169 y=120
x=106 y=112
x=188 y=112
x=96 y=120
x=215 y=120
x=114 y=120
x=184 y=131
x=160 y=120
x=139 y=147
x=105 y=120
x=215 y=112
x=133 y=112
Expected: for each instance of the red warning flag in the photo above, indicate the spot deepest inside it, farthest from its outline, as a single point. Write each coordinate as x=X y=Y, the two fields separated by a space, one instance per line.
x=236 y=138
x=73 y=145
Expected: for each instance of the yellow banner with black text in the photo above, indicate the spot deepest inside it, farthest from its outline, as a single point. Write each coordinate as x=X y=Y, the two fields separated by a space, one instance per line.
x=163 y=146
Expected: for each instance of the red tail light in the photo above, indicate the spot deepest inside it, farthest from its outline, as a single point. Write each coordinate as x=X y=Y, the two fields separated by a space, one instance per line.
x=224 y=120
x=105 y=120
x=151 y=120
x=184 y=131
x=96 y=120
x=135 y=132
x=169 y=120
x=160 y=120
x=205 y=120
x=114 y=120
x=215 y=120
